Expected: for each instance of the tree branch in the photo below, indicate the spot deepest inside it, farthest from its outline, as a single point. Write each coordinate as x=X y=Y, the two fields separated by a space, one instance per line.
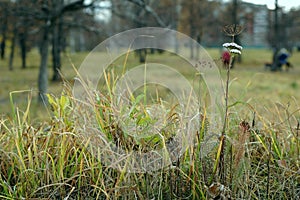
x=85 y=27
x=149 y=10
x=130 y=17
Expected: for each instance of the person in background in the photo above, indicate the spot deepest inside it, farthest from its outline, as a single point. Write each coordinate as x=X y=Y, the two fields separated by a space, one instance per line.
x=282 y=57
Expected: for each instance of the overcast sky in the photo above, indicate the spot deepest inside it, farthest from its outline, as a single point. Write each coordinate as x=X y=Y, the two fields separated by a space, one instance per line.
x=287 y=4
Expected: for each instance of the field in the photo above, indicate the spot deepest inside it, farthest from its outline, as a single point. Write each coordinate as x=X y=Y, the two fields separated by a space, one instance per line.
x=251 y=82
x=46 y=153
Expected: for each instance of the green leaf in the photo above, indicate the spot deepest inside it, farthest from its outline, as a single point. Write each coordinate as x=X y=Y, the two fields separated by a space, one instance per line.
x=64 y=102
x=139 y=98
x=51 y=100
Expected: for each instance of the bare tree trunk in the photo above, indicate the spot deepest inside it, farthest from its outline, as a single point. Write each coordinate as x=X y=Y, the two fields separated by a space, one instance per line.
x=177 y=8
x=192 y=33
x=197 y=47
x=43 y=73
x=3 y=41
x=275 y=65
x=191 y=49
x=12 y=51
x=236 y=21
x=22 y=40
x=2 y=47
x=57 y=42
x=56 y=50
x=142 y=53
x=192 y=29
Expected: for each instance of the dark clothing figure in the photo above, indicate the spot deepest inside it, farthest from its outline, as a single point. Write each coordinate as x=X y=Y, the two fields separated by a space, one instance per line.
x=282 y=57
x=280 y=60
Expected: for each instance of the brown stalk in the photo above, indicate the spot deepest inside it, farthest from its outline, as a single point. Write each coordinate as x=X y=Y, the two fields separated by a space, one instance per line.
x=243 y=136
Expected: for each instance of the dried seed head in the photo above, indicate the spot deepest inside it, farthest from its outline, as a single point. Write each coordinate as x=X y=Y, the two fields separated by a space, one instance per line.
x=244 y=126
x=233 y=30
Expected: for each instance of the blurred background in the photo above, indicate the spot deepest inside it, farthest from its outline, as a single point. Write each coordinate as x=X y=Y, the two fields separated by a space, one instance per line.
x=42 y=39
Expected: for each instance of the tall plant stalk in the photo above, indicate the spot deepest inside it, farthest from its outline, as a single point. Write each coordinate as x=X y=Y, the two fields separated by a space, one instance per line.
x=233 y=49
x=223 y=133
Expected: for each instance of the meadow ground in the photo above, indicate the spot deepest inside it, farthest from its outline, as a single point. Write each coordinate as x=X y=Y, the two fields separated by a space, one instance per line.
x=250 y=81
x=45 y=153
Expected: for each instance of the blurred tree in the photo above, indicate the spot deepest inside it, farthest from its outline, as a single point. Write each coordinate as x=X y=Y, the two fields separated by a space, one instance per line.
x=276 y=44
x=45 y=19
x=11 y=27
x=4 y=7
x=51 y=14
x=199 y=20
x=24 y=25
x=57 y=40
x=192 y=20
x=293 y=28
x=48 y=18
x=142 y=13
x=13 y=44
x=235 y=20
